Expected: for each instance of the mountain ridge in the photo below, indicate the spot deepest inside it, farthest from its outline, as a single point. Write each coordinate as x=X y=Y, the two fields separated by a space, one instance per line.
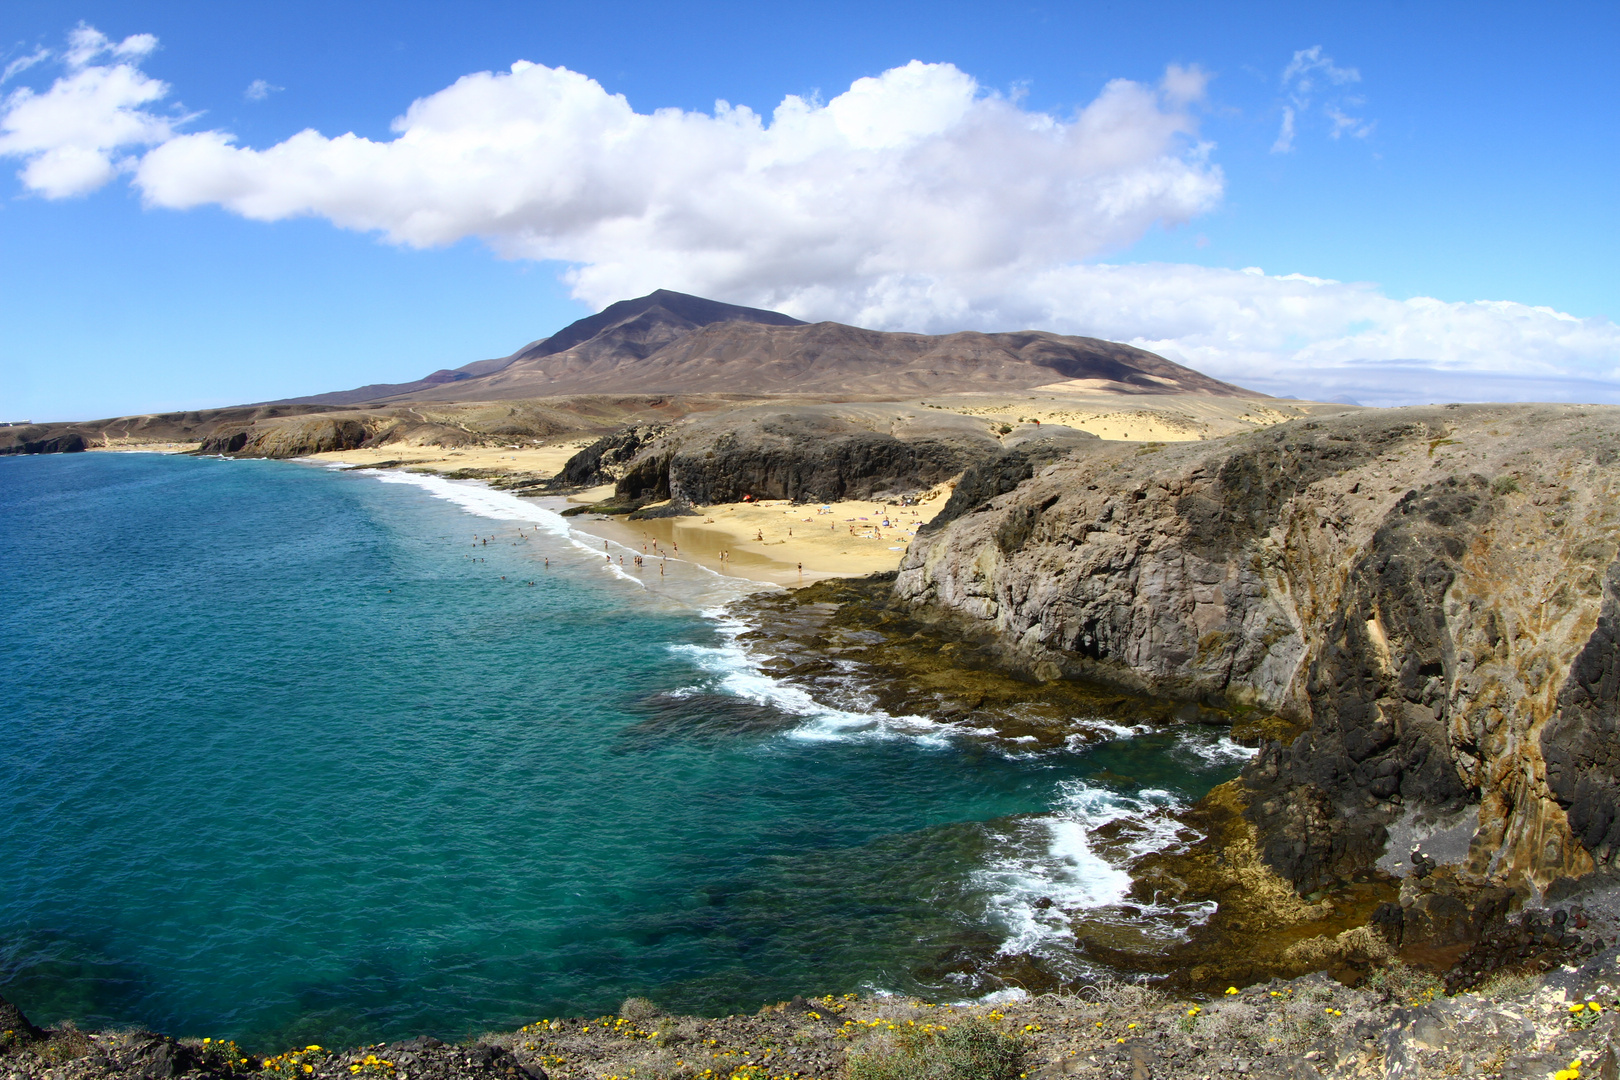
x=669 y=342
x=657 y=316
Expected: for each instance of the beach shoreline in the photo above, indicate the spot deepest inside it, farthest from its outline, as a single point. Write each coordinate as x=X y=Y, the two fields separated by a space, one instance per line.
x=775 y=541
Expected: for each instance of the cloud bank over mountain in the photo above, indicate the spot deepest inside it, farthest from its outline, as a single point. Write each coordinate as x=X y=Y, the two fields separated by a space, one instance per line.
x=916 y=199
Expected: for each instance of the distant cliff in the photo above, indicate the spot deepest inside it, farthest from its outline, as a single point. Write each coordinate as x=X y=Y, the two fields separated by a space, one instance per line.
x=1427 y=596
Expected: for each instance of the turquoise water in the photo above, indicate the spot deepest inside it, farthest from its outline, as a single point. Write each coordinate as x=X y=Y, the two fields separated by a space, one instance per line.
x=286 y=759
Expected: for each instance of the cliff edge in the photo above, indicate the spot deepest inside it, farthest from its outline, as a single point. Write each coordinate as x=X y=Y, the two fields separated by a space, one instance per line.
x=1417 y=605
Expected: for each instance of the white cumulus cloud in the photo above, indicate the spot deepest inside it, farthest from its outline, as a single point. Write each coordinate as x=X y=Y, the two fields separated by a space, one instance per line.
x=71 y=134
x=1316 y=338
x=918 y=170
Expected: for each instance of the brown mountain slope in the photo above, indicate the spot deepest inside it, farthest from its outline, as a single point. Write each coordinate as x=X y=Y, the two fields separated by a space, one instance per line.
x=824 y=358
x=623 y=332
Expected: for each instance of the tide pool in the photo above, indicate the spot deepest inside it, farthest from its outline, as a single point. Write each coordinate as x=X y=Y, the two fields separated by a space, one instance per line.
x=291 y=755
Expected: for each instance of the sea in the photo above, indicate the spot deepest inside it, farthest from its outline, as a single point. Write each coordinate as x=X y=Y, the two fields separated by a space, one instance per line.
x=291 y=754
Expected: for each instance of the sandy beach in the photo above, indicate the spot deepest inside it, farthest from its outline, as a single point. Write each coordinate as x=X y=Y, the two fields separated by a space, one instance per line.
x=775 y=541
x=771 y=540
x=545 y=460
x=139 y=446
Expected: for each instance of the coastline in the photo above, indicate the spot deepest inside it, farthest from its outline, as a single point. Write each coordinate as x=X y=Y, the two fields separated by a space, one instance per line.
x=776 y=542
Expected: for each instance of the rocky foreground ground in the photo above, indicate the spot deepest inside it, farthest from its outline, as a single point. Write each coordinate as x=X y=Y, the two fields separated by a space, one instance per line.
x=1562 y=1024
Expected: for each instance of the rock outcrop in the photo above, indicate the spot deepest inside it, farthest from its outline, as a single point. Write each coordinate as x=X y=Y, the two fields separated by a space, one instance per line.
x=806 y=452
x=297 y=438
x=606 y=459
x=1427 y=595
x=70 y=443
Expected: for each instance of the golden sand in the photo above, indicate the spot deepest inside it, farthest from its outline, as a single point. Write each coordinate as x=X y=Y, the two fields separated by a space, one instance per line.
x=540 y=460
x=772 y=540
x=1128 y=417
x=138 y=446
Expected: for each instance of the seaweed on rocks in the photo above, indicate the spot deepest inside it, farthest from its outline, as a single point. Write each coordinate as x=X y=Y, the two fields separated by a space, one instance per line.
x=851 y=640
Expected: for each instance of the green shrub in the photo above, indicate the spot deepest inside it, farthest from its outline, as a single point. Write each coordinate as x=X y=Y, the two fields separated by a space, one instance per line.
x=1405 y=984
x=970 y=1050
x=1504 y=485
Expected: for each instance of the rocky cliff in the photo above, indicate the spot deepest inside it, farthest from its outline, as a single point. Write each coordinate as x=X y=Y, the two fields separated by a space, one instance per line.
x=808 y=452
x=1427 y=597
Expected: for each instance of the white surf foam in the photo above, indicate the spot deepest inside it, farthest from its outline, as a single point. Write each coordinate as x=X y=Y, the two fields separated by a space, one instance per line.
x=1207 y=751
x=1050 y=868
x=478 y=499
x=738 y=673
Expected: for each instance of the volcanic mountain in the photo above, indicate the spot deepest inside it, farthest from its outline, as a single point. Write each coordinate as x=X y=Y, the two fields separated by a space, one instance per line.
x=669 y=342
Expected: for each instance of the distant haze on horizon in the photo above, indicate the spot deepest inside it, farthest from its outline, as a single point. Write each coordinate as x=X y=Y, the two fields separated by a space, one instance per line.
x=1390 y=205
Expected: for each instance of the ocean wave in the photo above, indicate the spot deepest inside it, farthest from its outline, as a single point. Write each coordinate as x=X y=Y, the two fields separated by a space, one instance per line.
x=478 y=498
x=1050 y=867
x=1202 y=750
x=738 y=673
x=1099 y=730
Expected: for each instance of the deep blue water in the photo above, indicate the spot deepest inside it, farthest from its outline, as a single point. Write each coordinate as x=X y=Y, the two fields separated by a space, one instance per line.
x=279 y=760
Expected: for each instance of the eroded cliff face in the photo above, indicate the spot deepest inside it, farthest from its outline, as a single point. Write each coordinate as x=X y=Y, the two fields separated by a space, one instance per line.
x=1428 y=595
x=806 y=452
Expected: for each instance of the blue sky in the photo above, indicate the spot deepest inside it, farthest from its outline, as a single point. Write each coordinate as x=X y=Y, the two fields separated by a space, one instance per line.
x=1461 y=152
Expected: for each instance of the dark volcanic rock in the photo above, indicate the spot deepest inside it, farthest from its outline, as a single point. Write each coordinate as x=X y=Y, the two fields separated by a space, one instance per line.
x=806 y=453
x=1001 y=474
x=13 y=1020
x=71 y=443
x=606 y=459
x=1375 y=720
x=291 y=438
x=1581 y=743
x=1430 y=596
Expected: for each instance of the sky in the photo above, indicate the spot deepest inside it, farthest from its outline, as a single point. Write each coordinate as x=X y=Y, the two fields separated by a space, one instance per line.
x=1383 y=202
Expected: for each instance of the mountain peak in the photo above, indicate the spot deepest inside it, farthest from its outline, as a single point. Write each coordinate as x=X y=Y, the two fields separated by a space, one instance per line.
x=690 y=312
